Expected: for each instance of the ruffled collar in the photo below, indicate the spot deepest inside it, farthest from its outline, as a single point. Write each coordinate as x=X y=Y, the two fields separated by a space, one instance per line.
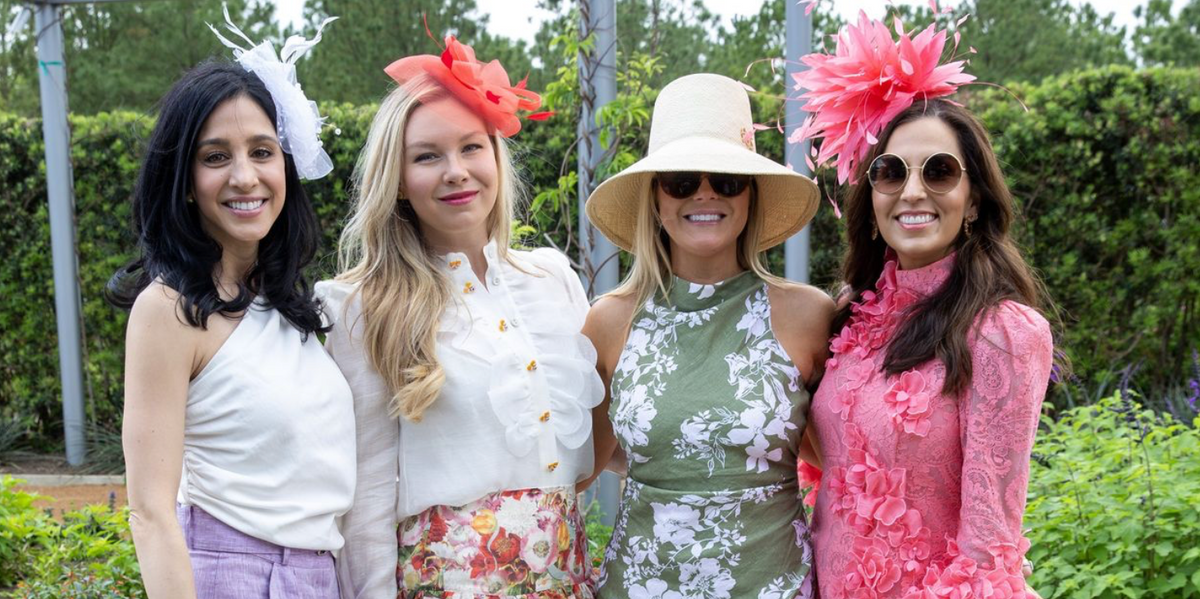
x=458 y=260
x=920 y=281
x=686 y=296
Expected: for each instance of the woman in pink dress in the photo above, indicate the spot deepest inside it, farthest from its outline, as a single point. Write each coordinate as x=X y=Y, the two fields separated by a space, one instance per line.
x=926 y=415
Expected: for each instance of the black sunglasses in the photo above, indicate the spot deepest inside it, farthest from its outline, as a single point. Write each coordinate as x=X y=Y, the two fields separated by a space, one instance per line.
x=940 y=173
x=683 y=185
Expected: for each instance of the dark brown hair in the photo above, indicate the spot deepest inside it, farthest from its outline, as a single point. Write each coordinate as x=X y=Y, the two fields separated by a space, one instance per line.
x=988 y=267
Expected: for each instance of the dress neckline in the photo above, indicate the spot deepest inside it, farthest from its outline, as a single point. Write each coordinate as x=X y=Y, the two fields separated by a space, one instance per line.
x=921 y=281
x=686 y=296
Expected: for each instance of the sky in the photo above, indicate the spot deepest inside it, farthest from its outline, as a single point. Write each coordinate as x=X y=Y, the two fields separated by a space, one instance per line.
x=519 y=19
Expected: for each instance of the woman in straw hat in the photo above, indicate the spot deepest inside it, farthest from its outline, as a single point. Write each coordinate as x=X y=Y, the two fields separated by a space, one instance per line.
x=473 y=386
x=941 y=356
x=707 y=356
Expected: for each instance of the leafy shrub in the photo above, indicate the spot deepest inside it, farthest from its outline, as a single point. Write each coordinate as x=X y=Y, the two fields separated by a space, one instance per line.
x=598 y=533
x=88 y=555
x=1104 y=168
x=1113 y=497
x=18 y=521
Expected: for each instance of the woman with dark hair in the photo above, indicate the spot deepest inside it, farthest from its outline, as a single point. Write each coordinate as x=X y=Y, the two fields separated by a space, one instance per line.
x=238 y=428
x=926 y=415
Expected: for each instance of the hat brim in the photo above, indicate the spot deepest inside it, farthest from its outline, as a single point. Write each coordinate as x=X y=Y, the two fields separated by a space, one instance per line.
x=787 y=199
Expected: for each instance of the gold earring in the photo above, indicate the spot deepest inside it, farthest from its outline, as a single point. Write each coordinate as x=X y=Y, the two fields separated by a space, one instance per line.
x=191 y=199
x=967 y=226
x=874 y=231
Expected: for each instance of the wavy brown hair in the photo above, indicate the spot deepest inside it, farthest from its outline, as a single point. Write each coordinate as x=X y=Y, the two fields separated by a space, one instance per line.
x=988 y=268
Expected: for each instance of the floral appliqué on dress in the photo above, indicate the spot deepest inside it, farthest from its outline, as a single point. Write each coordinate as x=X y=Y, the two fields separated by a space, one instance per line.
x=923 y=493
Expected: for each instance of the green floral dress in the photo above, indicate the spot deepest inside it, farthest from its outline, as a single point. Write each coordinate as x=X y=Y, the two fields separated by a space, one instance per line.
x=709 y=410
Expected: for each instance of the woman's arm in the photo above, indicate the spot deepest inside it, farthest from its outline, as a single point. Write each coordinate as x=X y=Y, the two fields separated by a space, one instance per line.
x=607 y=326
x=366 y=564
x=160 y=355
x=1011 y=361
x=800 y=318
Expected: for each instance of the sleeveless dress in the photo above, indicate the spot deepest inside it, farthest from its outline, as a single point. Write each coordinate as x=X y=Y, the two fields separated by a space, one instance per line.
x=709 y=410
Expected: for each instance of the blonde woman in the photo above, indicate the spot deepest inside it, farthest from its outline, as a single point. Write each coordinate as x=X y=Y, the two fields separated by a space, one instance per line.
x=709 y=358
x=472 y=383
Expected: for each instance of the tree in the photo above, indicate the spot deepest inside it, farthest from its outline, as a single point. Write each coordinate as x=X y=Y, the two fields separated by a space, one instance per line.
x=1028 y=40
x=370 y=34
x=18 y=74
x=1163 y=39
x=124 y=55
x=127 y=54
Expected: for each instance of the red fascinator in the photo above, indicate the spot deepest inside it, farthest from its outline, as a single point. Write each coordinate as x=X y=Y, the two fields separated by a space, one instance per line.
x=484 y=88
x=855 y=92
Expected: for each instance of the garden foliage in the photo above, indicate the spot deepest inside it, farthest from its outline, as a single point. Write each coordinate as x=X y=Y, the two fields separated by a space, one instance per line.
x=86 y=555
x=1102 y=165
x=1113 y=497
x=1111 y=514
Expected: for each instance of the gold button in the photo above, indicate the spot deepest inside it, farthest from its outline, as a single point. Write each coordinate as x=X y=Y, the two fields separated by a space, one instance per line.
x=503 y=325
x=531 y=366
x=545 y=416
x=454 y=264
x=469 y=287
x=552 y=466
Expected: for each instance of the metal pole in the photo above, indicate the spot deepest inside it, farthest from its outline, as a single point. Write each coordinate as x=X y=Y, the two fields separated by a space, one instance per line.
x=799 y=43
x=598 y=86
x=60 y=187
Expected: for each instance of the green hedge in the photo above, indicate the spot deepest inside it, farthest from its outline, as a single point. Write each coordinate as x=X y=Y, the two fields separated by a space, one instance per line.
x=1107 y=167
x=1104 y=165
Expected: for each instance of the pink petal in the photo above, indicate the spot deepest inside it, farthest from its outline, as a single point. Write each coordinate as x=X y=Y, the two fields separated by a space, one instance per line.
x=890 y=510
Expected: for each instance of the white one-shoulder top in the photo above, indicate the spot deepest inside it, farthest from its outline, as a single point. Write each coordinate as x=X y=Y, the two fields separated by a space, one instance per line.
x=268 y=443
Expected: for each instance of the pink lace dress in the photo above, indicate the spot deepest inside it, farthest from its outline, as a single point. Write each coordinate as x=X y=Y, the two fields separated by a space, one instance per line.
x=922 y=493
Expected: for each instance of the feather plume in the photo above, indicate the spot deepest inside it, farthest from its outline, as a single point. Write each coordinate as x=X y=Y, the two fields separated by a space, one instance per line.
x=855 y=92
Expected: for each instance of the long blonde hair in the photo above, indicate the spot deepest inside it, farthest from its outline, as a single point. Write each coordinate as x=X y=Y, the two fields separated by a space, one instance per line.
x=651 y=270
x=403 y=289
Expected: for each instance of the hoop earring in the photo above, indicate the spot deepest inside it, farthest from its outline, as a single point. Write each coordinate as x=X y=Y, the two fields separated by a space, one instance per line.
x=874 y=231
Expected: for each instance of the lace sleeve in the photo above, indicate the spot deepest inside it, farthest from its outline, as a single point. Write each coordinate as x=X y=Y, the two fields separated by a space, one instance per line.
x=1011 y=361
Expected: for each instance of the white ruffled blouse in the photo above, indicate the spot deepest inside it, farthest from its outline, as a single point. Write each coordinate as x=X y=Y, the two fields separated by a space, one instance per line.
x=514 y=412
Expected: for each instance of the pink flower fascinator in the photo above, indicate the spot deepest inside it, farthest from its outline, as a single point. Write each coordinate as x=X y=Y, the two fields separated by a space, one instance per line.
x=854 y=93
x=482 y=87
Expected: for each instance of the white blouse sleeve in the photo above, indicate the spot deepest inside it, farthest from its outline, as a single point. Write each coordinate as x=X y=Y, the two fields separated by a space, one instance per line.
x=366 y=565
x=569 y=278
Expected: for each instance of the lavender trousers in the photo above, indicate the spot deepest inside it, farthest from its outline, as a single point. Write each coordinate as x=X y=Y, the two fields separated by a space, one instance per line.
x=227 y=564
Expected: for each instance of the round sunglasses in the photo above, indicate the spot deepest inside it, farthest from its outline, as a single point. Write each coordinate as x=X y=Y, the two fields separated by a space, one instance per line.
x=940 y=173
x=683 y=185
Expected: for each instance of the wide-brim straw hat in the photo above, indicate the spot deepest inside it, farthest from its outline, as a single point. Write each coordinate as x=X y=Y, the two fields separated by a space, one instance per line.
x=702 y=123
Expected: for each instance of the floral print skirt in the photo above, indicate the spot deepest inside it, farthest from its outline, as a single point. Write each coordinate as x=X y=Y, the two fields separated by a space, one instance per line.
x=527 y=543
